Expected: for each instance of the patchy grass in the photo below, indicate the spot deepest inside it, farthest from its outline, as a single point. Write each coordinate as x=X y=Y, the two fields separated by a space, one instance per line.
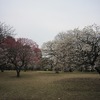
x=49 y=86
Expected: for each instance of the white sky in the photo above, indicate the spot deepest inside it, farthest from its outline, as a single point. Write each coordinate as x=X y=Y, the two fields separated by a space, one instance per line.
x=42 y=20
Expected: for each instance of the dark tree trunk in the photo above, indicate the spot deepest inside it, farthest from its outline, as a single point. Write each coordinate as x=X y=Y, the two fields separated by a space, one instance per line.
x=18 y=72
x=2 y=69
x=57 y=70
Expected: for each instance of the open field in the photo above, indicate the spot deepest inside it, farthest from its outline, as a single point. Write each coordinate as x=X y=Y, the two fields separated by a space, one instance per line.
x=49 y=86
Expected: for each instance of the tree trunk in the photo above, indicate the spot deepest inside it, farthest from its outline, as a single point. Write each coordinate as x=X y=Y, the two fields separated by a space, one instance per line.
x=18 y=73
x=2 y=69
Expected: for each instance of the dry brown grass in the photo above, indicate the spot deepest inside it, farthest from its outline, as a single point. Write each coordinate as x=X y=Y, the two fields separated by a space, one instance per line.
x=49 y=86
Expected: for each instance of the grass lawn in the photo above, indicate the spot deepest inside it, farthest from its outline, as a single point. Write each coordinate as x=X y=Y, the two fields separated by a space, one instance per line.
x=49 y=86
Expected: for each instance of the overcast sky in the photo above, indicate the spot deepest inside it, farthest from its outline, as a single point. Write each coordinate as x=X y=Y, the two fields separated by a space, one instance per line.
x=42 y=20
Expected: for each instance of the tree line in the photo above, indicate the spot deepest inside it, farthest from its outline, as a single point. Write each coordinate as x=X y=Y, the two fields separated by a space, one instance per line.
x=17 y=54
x=74 y=49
